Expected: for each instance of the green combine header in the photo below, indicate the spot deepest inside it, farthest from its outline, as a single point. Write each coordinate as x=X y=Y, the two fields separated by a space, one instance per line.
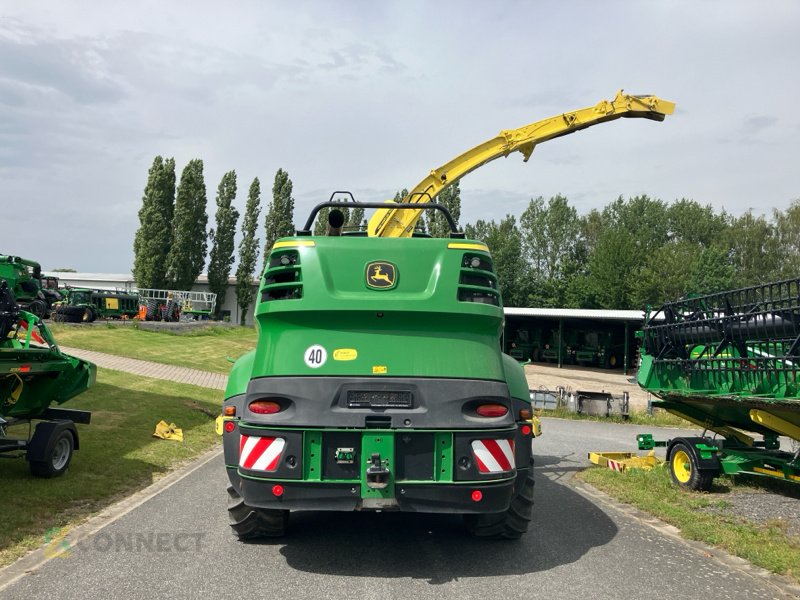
x=34 y=375
x=730 y=363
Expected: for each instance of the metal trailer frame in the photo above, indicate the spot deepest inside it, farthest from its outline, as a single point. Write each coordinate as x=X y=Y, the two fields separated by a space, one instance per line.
x=191 y=303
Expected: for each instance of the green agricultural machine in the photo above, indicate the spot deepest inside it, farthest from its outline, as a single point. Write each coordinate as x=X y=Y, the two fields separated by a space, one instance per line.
x=730 y=363
x=86 y=305
x=24 y=278
x=378 y=384
x=378 y=381
x=599 y=348
x=34 y=375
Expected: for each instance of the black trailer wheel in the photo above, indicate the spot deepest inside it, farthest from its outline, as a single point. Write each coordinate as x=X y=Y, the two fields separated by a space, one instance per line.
x=684 y=469
x=249 y=523
x=57 y=462
x=509 y=525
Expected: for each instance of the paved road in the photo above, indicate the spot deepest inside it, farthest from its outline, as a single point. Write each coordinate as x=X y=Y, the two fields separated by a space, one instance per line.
x=577 y=549
x=148 y=368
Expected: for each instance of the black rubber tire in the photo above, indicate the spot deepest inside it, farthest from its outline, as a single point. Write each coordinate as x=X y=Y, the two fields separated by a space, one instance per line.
x=67 y=314
x=509 y=525
x=39 y=308
x=152 y=313
x=88 y=315
x=693 y=477
x=58 y=461
x=249 y=523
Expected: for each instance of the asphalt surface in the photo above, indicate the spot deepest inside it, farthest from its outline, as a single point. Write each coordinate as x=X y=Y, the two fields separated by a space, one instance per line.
x=178 y=545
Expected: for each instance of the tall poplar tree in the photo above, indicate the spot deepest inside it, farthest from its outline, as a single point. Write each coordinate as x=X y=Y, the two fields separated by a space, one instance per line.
x=154 y=237
x=248 y=250
x=221 y=255
x=187 y=256
x=450 y=198
x=280 y=214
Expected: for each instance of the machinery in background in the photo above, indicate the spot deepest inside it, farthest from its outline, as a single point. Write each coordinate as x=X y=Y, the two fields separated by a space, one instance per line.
x=729 y=363
x=34 y=375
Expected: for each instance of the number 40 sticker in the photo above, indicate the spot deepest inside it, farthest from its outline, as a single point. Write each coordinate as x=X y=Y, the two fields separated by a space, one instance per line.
x=315 y=356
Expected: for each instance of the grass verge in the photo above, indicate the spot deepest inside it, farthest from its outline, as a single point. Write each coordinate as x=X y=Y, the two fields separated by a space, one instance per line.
x=118 y=456
x=701 y=516
x=659 y=418
x=207 y=349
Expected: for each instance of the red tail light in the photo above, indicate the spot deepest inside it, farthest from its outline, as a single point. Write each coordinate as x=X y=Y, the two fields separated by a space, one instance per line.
x=492 y=410
x=264 y=407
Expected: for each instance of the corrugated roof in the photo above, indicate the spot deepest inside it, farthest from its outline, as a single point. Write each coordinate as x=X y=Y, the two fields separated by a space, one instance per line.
x=576 y=313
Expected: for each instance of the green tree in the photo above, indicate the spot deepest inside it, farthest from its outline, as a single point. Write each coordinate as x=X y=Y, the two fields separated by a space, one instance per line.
x=355 y=220
x=752 y=249
x=248 y=250
x=787 y=241
x=321 y=222
x=280 y=213
x=551 y=237
x=153 y=239
x=222 y=246
x=629 y=233
x=505 y=244
x=692 y=222
x=187 y=255
x=450 y=198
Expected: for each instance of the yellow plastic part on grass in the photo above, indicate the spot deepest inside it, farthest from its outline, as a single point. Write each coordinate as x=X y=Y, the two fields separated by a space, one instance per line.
x=168 y=432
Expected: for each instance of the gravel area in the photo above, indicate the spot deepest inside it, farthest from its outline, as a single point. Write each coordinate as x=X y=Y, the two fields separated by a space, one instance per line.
x=762 y=507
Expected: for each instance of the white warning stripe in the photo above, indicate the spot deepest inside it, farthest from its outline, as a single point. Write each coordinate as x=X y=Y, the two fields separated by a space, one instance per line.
x=508 y=450
x=259 y=453
x=270 y=454
x=249 y=444
x=494 y=456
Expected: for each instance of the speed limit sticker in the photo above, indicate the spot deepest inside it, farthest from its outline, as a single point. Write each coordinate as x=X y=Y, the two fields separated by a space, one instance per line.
x=315 y=356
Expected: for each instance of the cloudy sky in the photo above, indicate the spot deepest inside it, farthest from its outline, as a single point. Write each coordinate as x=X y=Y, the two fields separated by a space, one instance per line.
x=369 y=96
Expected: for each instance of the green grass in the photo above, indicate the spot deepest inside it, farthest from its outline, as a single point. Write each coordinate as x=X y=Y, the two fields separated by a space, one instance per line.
x=659 y=418
x=207 y=349
x=118 y=455
x=766 y=545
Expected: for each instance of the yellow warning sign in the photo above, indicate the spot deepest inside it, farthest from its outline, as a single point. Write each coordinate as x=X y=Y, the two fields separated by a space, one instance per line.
x=379 y=370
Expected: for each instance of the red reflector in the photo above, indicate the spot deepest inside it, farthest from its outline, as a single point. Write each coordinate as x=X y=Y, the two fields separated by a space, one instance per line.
x=229 y=426
x=477 y=496
x=24 y=368
x=492 y=410
x=277 y=490
x=526 y=430
x=264 y=407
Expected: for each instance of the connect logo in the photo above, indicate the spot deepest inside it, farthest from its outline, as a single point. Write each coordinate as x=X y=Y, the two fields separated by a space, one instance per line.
x=381 y=275
x=55 y=543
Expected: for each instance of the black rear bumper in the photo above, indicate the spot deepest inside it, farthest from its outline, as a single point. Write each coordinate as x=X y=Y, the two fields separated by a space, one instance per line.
x=426 y=497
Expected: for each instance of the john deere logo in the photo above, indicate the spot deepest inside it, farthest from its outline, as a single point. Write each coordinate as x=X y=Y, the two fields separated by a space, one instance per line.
x=381 y=275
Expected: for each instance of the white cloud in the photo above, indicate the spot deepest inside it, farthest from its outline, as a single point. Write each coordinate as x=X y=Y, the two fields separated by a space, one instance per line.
x=370 y=97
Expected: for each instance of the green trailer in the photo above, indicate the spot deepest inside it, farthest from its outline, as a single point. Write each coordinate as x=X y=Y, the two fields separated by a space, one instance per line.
x=35 y=375
x=86 y=305
x=730 y=363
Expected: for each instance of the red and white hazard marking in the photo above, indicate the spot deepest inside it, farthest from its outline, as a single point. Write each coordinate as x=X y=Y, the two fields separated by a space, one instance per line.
x=260 y=453
x=494 y=456
x=616 y=466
